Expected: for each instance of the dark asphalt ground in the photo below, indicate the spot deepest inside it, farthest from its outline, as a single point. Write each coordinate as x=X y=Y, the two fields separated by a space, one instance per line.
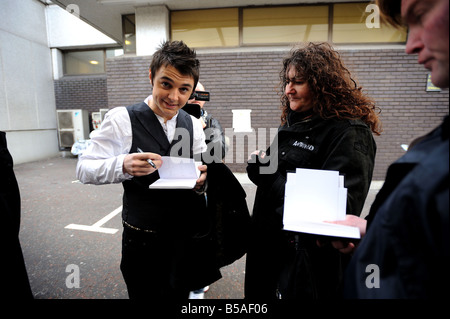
x=52 y=199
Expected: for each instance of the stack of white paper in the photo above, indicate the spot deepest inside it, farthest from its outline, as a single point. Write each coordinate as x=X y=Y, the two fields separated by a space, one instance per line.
x=177 y=173
x=312 y=197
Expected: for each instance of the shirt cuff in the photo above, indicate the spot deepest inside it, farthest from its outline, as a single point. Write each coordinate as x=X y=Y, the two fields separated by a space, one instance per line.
x=119 y=169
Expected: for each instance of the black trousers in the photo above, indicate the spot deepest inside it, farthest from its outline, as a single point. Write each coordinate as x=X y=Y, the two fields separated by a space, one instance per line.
x=291 y=266
x=150 y=266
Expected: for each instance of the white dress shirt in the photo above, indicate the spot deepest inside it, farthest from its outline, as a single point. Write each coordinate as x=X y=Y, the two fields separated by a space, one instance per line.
x=102 y=161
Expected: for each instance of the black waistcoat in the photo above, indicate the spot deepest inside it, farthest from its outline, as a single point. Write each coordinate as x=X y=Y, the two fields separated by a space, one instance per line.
x=165 y=211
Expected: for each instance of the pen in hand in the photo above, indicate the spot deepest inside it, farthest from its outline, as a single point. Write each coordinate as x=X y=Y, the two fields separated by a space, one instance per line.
x=148 y=160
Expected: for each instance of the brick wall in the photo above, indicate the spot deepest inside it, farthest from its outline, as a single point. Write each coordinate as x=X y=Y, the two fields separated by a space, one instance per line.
x=81 y=92
x=398 y=84
x=249 y=80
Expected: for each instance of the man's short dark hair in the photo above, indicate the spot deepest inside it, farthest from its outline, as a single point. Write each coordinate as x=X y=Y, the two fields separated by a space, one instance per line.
x=391 y=12
x=178 y=55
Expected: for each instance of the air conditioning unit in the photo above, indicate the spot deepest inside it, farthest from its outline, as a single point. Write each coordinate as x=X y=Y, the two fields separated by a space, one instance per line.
x=96 y=120
x=73 y=126
x=103 y=112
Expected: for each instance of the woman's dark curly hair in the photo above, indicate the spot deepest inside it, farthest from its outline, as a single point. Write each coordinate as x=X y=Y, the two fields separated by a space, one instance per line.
x=336 y=94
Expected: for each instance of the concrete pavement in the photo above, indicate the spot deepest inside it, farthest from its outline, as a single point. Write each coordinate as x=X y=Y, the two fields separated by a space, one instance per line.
x=56 y=254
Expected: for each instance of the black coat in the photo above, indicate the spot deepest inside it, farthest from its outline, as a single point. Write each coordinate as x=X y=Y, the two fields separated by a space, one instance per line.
x=214 y=138
x=15 y=284
x=292 y=261
x=406 y=250
x=227 y=208
x=226 y=239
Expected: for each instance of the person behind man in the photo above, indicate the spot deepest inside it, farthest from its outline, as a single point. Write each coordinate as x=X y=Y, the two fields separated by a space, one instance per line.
x=327 y=123
x=405 y=250
x=160 y=256
x=215 y=140
x=214 y=135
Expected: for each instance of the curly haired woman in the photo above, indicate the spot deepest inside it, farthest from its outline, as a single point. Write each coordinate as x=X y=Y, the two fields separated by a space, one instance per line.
x=326 y=123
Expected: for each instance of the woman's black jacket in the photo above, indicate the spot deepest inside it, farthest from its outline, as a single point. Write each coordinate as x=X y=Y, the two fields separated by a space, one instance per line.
x=346 y=146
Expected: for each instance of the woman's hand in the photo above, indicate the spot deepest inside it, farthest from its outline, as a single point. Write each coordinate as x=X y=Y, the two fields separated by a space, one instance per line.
x=257 y=153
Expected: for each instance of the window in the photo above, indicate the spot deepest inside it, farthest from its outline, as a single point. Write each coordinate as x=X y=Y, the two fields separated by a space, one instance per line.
x=350 y=26
x=129 y=33
x=206 y=28
x=282 y=25
x=285 y=24
x=87 y=62
x=84 y=62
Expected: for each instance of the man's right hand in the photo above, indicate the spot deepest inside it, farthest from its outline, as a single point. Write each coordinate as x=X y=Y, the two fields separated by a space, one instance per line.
x=136 y=164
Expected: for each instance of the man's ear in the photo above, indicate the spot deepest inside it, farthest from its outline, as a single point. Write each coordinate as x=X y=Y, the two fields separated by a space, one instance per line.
x=150 y=76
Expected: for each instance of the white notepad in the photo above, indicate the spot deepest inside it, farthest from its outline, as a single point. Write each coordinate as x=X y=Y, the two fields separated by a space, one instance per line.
x=312 y=197
x=177 y=173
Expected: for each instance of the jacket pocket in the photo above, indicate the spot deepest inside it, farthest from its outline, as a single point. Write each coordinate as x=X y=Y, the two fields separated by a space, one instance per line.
x=297 y=157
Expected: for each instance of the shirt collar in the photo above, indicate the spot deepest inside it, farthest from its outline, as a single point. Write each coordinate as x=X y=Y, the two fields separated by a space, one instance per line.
x=161 y=120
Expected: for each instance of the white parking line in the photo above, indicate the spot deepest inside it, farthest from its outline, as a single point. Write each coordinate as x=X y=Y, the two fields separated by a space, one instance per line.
x=97 y=226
